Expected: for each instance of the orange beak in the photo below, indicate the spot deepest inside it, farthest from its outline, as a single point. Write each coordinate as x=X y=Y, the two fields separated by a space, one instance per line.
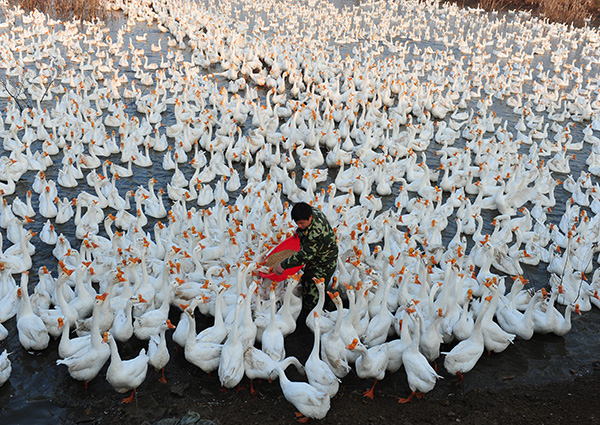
x=352 y=345
x=102 y=297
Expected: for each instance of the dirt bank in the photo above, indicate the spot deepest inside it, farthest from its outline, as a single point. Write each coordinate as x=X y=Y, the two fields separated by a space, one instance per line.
x=572 y=399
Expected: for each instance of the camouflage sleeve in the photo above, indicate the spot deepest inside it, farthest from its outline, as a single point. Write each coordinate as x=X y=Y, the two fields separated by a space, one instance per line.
x=318 y=246
x=308 y=251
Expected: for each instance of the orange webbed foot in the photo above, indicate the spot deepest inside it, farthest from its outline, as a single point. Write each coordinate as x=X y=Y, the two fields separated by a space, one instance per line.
x=371 y=393
x=253 y=391
x=128 y=399
x=406 y=400
x=301 y=418
x=162 y=376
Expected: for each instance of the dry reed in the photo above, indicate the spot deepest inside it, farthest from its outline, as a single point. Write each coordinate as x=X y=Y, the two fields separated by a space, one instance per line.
x=566 y=11
x=85 y=10
x=493 y=4
x=575 y=12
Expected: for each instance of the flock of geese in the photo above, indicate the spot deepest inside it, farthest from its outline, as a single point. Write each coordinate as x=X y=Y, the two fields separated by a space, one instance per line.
x=434 y=139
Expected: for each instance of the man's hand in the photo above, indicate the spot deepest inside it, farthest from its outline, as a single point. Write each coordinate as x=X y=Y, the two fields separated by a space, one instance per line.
x=278 y=269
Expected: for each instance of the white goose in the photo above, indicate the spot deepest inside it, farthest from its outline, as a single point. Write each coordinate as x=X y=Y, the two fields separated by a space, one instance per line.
x=272 y=337
x=513 y=321
x=23 y=209
x=231 y=364
x=3 y=332
x=463 y=356
x=85 y=364
x=106 y=315
x=67 y=347
x=181 y=332
x=397 y=347
x=309 y=401
x=372 y=362
x=33 y=334
x=318 y=373
x=9 y=295
x=463 y=328
x=158 y=354
x=47 y=204
x=333 y=349
x=18 y=260
x=48 y=234
x=286 y=315
x=218 y=332
x=247 y=331
x=259 y=365
x=421 y=376
x=83 y=301
x=205 y=355
x=149 y=323
x=495 y=338
x=64 y=211
x=122 y=324
x=125 y=375
x=380 y=324
x=326 y=323
x=546 y=315
x=5 y=367
x=63 y=309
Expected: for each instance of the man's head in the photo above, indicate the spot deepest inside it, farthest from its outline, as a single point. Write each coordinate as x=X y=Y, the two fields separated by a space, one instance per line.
x=302 y=214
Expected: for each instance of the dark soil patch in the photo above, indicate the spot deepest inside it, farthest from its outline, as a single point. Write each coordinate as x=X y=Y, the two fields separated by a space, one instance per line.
x=189 y=389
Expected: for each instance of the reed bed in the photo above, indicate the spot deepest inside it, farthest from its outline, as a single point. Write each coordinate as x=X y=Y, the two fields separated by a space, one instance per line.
x=85 y=10
x=567 y=11
x=576 y=12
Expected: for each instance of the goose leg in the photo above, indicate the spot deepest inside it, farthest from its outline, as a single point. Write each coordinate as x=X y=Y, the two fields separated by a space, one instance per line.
x=301 y=418
x=162 y=377
x=252 y=390
x=128 y=399
x=369 y=393
x=406 y=400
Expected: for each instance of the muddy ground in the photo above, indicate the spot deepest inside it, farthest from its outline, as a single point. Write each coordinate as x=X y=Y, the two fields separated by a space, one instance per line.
x=573 y=401
x=500 y=400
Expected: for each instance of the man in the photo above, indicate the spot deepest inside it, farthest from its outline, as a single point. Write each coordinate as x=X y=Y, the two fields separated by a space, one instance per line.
x=318 y=251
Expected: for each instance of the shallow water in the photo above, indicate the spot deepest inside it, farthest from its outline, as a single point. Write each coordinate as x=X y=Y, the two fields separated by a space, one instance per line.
x=35 y=383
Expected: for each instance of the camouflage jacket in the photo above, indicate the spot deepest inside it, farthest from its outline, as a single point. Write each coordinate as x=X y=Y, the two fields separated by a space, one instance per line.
x=318 y=246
